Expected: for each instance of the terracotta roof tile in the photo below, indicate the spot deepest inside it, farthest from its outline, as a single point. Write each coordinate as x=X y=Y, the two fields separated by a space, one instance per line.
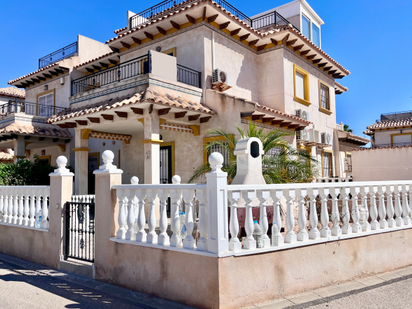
x=5 y=155
x=380 y=148
x=120 y=30
x=387 y=124
x=339 y=86
x=368 y=132
x=13 y=92
x=35 y=72
x=148 y=95
x=41 y=131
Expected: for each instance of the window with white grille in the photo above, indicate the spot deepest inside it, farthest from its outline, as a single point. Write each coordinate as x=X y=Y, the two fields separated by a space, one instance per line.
x=324 y=97
x=223 y=151
x=46 y=105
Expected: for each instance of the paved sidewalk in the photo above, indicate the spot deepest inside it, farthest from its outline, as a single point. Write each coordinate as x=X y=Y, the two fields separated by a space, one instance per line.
x=388 y=290
x=28 y=285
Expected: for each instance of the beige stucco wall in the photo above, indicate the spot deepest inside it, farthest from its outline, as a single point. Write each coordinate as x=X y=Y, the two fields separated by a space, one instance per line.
x=382 y=164
x=384 y=137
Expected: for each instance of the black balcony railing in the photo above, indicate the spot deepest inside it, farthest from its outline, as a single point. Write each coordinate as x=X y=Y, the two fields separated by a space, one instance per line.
x=28 y=108
x=58 y=55
x=132 y=68
x=166 y=7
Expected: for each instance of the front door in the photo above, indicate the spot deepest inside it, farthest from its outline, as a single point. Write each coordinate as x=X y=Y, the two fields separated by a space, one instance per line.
x=93 y=165
x=166 y=170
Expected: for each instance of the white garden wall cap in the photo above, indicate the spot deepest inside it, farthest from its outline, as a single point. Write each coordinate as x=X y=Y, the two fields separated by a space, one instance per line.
x=161 y=187
x=61 y=170
x=216 y=160
x=36 y=131
x=176 y=179
x=139 y=97
x=108 y=167
x=134 y=180
x=13 y=92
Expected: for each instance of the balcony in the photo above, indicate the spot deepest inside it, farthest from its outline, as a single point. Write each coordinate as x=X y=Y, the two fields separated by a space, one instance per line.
x=130 y=69
x=166 y=7
x=33 y=109
x=58 y=55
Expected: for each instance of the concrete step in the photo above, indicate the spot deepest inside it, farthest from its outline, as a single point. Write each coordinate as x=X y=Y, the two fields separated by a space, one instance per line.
x=81 y=268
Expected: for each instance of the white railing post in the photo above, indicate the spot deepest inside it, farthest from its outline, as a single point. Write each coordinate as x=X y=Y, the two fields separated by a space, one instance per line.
x=11 y=206
x=152 y=236
x=336 y=230
x=390 y=209
x=218 y=240
x=374 y=210
x=263 y=196
x=202 y=242
x=313 y=216
x=164 y=239
x=32 y=212
x=234 y=245
x=346 y=228
x=21 y=208
x=45 y=211
x=189 y=242
x=277 y=238
x=131 y=233
x=324 y=216
x=356 y=227
x=141 y=221
x=38 y=203
x=405 y=206
x=6 y=206
x=121 y=233
x=398 y=207
x=176 y=240
x=26 y=208
x=364 y=211
x=303 y=235
x=290 y=236
x=249 y=243
x=2 y=205
x=382 y=209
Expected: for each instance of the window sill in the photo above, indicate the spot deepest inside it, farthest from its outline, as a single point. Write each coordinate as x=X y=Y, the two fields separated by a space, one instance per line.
x=301 y=101
x=326 y=111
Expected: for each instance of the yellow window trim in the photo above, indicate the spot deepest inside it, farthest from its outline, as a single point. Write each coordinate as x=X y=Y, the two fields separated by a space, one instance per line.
x=306 y=100
x=333 y=162
x=173 y=155
x=45 y=158
x=43 y=94
x=97 y=154
x=324 y=110
x=392 y=135
x=171 y=50
x=207 y=140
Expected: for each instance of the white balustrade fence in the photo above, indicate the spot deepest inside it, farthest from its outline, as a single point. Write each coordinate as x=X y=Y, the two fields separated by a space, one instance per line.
x=20 y=206
x=303 y=214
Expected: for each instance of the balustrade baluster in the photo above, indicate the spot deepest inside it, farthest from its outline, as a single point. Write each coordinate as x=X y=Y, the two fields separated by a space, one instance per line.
x=11 y=204
x=249 y=243
x=313 y=216
x=38 y=204
x=336 y=230
x=45 y=212
x=277 y=238
x=152 y=237
x=121 y=233
x=390 y=208
x=202 y=242
x=16 y=207
x=26 y=211
x=32 y=211
x=189 y=242
x=374 y=210
x=382 y=209
x=346 y=228
x=1 y=206
x=263 y=197
x=176 y=240
x=290 y=236
x=410 y=200
x=303 y=235
x=131 y=233
x=164 y=239
x=398 y=207
x=356 y=227
x=364 y=211
x=21 y=209
x=405 y=206
x=234 y=244
x=6 y=207
x=324 y=216
x=141 y=222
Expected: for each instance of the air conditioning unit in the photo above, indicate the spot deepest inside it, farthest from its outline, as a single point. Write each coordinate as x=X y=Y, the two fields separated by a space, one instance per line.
x=326 y=138
x=303 y=135
x=221 y=80
x=300 y=113
x=315 y=136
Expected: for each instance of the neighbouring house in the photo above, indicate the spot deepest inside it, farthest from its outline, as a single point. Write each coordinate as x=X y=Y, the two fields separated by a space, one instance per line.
x=153 y=91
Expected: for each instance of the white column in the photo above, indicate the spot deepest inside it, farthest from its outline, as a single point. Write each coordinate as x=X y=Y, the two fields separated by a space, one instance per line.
x=336 y=230
x=382 y=208
x=263 y=220
x=303 y=235
x=235 y=244
x=16 y=207
x=217 y=206
x=202 y=242
x=364 y=211
x=2 y=204
x=373 y=209
x=398 y=206
x=189 y=242
x=32 y=208
x=141 y=222
x=45 y=211
x=131 y=233
x=26 y=210
x=405 y=206
x=346 y=228
x=356 y=227
x=313 y=216
x=164 y=239
x=121 y=233
x=152 y=236
x=277 y=238
x=21 y=209
x=175 y=196
x=324 y=216
x=151 y=147
x=249 y=243
x=389 y=208
x=290 y=236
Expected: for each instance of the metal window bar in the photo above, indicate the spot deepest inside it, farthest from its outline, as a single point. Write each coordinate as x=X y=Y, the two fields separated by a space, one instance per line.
x=58 y=55
x=189 y=76
x=29 y=108
x=223 y=151
x=324 y=97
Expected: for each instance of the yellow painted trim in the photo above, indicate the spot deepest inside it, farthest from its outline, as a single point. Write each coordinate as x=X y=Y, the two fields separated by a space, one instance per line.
x=19 y=157
x=141 y=120
x=325 y=111
x=43 y=94
x=62 y=147
x=97 y=154
x=27 y=144
x=161 y=121
x=27 y=151
x=81 y=149
x=333 y=161
x=392 y=135
x=171 y=50
x=173 y=155
x=151 y=141
x=85 y=133
x=195 y=129
x=45 y=157
x=306 y=99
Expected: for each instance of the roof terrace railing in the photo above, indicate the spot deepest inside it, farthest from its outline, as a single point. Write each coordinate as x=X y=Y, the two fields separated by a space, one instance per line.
x=28 y=108
x=396 y=115
x=58 y=55
x=166 y=7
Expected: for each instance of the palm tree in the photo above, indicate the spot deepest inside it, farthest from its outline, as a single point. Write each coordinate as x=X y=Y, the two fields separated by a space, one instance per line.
x=286 y=165
x=347 y=128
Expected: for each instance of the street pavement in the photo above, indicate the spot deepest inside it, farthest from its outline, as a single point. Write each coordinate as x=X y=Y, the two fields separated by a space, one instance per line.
x=28 y=285
x=388 y=290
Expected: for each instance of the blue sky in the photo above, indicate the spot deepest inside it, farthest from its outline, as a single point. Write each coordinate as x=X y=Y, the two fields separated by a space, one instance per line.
x=370 y=39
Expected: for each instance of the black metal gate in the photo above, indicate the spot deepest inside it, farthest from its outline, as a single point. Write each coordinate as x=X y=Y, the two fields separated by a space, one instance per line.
x=80 y=228
x=166 y=170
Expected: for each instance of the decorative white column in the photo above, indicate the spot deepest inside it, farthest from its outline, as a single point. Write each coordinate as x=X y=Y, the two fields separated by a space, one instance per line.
x=151 y=147
x=390 y=208
x=382 y=208
x=249 y=242
x=141 y=221
x=336 y=230
x=218 y=241
x=45 y=211
x=32 y=212
x=121 y=232
x=26 y=211
x=202 y=242
x=1 y=205
x=346 y=228
x=21 y=209
x=164 y=239
x=313 y=216
x=364 y=211
x=277 y=238
x=374 y=210
x=324 y=216
x=235 y=244
x=6 y=206
x=12 y=197
x=356 y=227
x=303 y=235
x=189 y=242
x=131 y=233
x=398 y=206
x=263 y=196
x=405 y=206
x=290 y=236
